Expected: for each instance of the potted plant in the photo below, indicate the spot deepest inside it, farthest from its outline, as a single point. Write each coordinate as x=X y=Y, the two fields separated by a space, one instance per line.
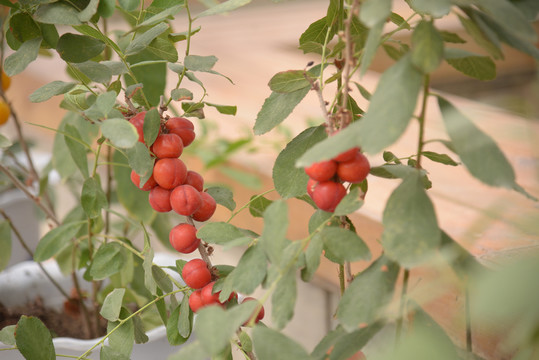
x=121 y=121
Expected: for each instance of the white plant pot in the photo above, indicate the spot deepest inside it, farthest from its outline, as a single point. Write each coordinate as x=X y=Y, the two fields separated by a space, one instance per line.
x=23 y=282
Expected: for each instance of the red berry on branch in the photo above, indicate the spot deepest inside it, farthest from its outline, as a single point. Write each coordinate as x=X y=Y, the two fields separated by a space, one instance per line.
x=185 y=200
x=195 y=301
x=322 y=171
x=346 y=155
x=167 y=146
x=206 y=209
x=208 y=297
x=311 y=184
x=169 y=172
x=138 y=123
x=183 y=128
x=150 y=183
x=259 y=315
x=328 y=194
x=195 y=180
x=355 y=170
x=183 y=238
x=196 y=274
x=159 y=199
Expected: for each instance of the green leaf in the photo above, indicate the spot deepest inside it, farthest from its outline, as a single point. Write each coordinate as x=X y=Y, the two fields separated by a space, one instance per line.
x=283 y=299
x=258 y=204
x=185 y=318
x=427 y=47
x=463 y=263
x=349 y=344
x=291 y=181
x=95 y=71
x=273 y=239
x=312 y=256
x=112 y=305
x=4 y=142
x=33 y=339
x=173 y=335
x=350 y=203
x=128 y=5
x=276 y=109
x=391 y=108
x=152 y=126
x=78 y=48
x=164 y=48
x=316 y=33
x=437 y=8
x=51 y=89
x=476 y=66
x=122 y=339
x=120 y=132
x=166 y=13
x=200 y=63
x=343 y=245
x=223 y=7
x=224 y=109
x=440 y=158
x=152 y=77
x=57 y=13
x=89 y=11
x=374 y=12
x=477 y=151
x=411 y=233
x=181 y=94
x=451 y=37
x=56 y=240
x=161 y=279
x=93 y=198
x=142 y=41
x=18 y=61
x=371 y=45
x=480 y=38
x=249 y=273
x=215 y=327
x=76 y=149
x=289 y=81
x=133 y=200
x=365 y=298
x=271 y=344
x=23 y=27
x=108 y=260
x=191 y=351
x=222 y=196
x=141 y=161
x=219 y=233
x=5 y=244
x=7 y=335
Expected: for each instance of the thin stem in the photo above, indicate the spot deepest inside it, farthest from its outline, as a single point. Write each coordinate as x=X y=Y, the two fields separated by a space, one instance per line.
x=421 y=120
x=247 y=204
x=342 y=280
x=402 y=307
x=469 y=345
x=31 y=253
x=348 y=54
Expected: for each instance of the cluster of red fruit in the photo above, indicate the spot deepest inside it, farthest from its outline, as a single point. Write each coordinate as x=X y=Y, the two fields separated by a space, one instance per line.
x=173 y=187
x=325 y=185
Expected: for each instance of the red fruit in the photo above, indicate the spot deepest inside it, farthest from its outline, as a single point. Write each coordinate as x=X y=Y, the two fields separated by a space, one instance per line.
x=355 y=170
x=311 y=184
x=196 y=274
x=183 y=238
x=322 y=171
x=208 y=297
x=195 y=180
x=150 y=183
x=195 y=301
x=328 y=194
x=206 y=209
x=259 y=315
x=167 y=146
x=347 y=155
x=169 y=172
x=183 y=128
x=185 y=200
x=159 y=199
x=138 y=122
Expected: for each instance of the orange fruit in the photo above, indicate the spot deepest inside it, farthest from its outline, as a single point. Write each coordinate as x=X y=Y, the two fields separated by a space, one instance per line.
x=5 y=112
x=6 y=81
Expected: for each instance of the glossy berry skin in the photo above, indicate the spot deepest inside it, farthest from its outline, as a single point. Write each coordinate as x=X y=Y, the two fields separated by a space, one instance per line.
x=328 y=194
x=206 y=209
x=355 y=170
x=311 y=184
x=183 y=128
x=259 y=315
x=185 y=200
x=150 y=183
x=208 y=297
x=195 y=274
x=195 y=180
x=167 y=146
x=159 y=199
x=346 y=155
x=322 y=171
x=195 y=301
x=138 y=123
x=169 y=172
x=183 y=238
